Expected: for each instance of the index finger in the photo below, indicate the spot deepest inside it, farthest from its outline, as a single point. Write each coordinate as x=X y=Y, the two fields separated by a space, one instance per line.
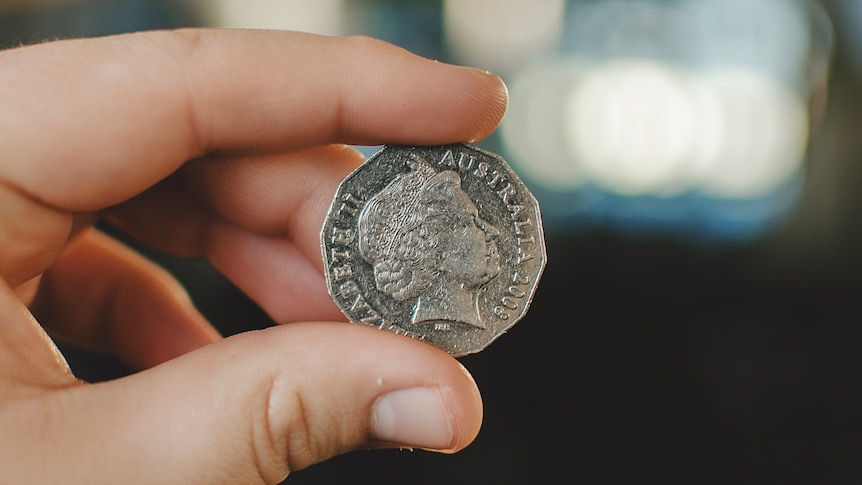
x=91 y=122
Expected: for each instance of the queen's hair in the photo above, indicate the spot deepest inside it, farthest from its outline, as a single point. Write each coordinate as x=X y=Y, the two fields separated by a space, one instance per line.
x=399 y=229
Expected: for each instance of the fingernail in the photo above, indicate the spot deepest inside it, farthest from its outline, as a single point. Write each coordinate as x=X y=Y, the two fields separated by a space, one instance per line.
x=414 y=417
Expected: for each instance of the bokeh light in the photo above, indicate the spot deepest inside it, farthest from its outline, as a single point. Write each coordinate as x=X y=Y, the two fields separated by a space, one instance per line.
x=500 y=35
x=320 y=16
x=656 y=114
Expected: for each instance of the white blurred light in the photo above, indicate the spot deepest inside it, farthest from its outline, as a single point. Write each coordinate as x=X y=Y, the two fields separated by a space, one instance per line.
x=533 y=129
x=632 y=124
x=316 y=16
x=657 y=98
x=645 y=127
x=765 y=135
x=501 y=34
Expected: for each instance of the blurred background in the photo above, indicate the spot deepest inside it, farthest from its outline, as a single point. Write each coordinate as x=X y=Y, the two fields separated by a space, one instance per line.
x=698 y=167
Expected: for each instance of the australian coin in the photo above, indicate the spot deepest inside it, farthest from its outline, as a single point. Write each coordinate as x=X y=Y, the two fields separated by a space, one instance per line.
x=443 y=244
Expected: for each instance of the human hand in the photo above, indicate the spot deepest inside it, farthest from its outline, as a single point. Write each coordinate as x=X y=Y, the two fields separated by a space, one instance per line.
x=224 y=145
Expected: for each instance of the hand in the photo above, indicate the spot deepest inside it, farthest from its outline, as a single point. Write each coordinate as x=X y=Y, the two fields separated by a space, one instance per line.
x=216 y=144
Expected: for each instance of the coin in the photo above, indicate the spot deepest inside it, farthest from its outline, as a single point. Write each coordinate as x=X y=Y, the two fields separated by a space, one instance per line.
x=440 y=243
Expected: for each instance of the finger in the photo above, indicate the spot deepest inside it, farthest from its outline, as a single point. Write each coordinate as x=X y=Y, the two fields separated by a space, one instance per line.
x=145 y=103
x=249 y=409
x=274 y=273
x=102 y=295
x=257 y=218
x=283 y=195
x=271 y=270
x=27 y=355
x=276 y=194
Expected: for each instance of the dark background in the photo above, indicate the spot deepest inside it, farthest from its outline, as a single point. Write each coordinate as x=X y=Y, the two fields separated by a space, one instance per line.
x=644 y=359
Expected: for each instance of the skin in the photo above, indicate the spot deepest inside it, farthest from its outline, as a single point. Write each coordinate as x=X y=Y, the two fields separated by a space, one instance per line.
x=218 y=144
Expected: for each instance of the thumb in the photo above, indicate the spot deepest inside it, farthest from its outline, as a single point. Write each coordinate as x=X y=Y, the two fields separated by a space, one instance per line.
x=248 y=409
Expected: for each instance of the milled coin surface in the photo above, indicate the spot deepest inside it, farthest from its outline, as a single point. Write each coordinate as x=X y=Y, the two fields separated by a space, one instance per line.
x=443 y=244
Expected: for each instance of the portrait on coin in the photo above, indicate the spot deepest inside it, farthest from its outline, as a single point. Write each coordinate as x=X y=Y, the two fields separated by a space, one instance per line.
x=425 y=239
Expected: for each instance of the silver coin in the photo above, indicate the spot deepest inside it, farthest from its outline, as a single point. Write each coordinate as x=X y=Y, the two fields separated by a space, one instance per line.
x=443 y=244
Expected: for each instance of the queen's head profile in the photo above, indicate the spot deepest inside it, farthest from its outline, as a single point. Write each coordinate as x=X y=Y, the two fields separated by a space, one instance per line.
x=424 y=238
